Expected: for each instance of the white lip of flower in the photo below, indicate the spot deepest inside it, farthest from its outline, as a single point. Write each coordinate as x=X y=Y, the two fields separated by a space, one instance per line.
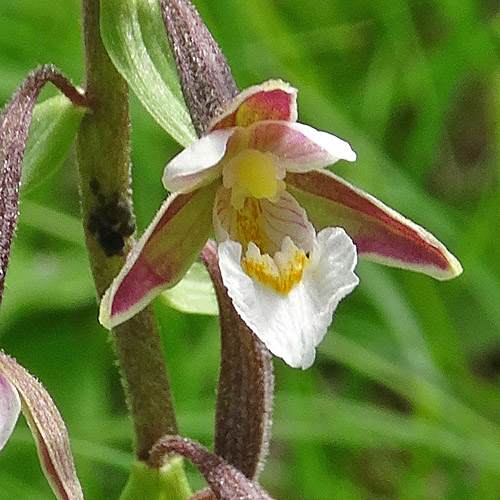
x=285 y=286
x=280 y=272
x=293 y=323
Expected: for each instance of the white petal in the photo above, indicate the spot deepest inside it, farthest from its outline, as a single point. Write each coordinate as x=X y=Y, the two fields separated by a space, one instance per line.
x=198 y=164
x=10 y=406
x=286 y=217
x=292 y=325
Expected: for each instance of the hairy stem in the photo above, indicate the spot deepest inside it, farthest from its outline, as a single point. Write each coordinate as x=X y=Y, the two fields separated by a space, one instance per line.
x=206 y=79
x=103 y=150
x=14 y=126
x=246 y=384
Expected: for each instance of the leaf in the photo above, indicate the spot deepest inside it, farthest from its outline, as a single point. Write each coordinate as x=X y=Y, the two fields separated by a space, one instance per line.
x=48 y=429
x=14 y=126
x=194 y=294
x=135 y=38
x=363 y=426
x=53 y=127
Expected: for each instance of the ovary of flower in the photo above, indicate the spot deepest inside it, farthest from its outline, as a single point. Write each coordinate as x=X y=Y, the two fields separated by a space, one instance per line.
x=280 y=272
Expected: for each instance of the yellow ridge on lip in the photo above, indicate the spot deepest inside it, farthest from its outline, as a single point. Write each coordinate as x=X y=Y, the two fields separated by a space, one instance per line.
x=249 y=221
x=280 y=273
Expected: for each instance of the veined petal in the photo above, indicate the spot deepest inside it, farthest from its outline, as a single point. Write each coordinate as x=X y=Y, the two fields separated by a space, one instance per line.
x=198 y=164
x=162 y=255
x=264 y=222
x=298 y=147
x=10 y=406
x=380 y=233
x=292 y=325
x=272 y=100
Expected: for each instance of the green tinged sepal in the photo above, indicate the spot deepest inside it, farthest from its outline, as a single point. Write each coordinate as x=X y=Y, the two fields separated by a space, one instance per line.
x=166 y=483
x=135 y=39
x=53 y=128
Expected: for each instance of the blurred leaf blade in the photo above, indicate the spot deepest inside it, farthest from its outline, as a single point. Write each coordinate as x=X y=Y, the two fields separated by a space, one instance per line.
x=135 y=38
x=194 y=294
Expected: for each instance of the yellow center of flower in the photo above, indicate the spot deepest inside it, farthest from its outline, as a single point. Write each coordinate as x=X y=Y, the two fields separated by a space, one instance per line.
x=280 y=272
x=255 y=179
x=253 y=174
x=256 y=172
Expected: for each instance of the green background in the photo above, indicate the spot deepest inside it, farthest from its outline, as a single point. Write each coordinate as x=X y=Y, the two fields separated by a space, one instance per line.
x=403 y=400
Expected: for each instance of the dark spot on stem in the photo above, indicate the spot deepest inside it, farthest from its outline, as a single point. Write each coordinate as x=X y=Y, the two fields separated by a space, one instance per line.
x=111 y=220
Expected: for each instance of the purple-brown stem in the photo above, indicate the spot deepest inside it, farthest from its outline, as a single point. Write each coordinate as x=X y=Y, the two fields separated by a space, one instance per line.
x=14 y=126
x=245 y=392
x=206 y=79
x=225 y=481
x=246 y=382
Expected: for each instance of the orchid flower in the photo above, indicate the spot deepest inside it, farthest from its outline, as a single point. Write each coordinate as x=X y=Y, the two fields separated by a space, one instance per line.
x=283 y=223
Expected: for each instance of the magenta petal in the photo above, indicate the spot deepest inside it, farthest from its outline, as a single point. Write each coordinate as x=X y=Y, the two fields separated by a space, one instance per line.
x=10 y=406
x=298 y=147
x=162 y=256
x=380 y=233
x=272 y=100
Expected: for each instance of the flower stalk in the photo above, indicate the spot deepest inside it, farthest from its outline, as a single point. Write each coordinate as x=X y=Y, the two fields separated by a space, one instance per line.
x=246 y=384
x=14 y=125
x=103 y=151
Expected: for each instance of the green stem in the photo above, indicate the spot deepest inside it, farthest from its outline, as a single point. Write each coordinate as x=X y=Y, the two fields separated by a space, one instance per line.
x=103 y=150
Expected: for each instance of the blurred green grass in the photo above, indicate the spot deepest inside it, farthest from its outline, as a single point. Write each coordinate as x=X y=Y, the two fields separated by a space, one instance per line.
x=403 y=400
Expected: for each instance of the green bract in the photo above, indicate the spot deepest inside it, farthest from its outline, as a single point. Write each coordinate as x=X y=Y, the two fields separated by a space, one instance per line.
x=52 y=130
x=135 y=38
x=166 y=483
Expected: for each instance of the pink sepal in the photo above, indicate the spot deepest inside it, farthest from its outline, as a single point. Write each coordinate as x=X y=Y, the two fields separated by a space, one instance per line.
x=162 y=255
x=272 y=100
x=380 y=233
x=48 y=429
